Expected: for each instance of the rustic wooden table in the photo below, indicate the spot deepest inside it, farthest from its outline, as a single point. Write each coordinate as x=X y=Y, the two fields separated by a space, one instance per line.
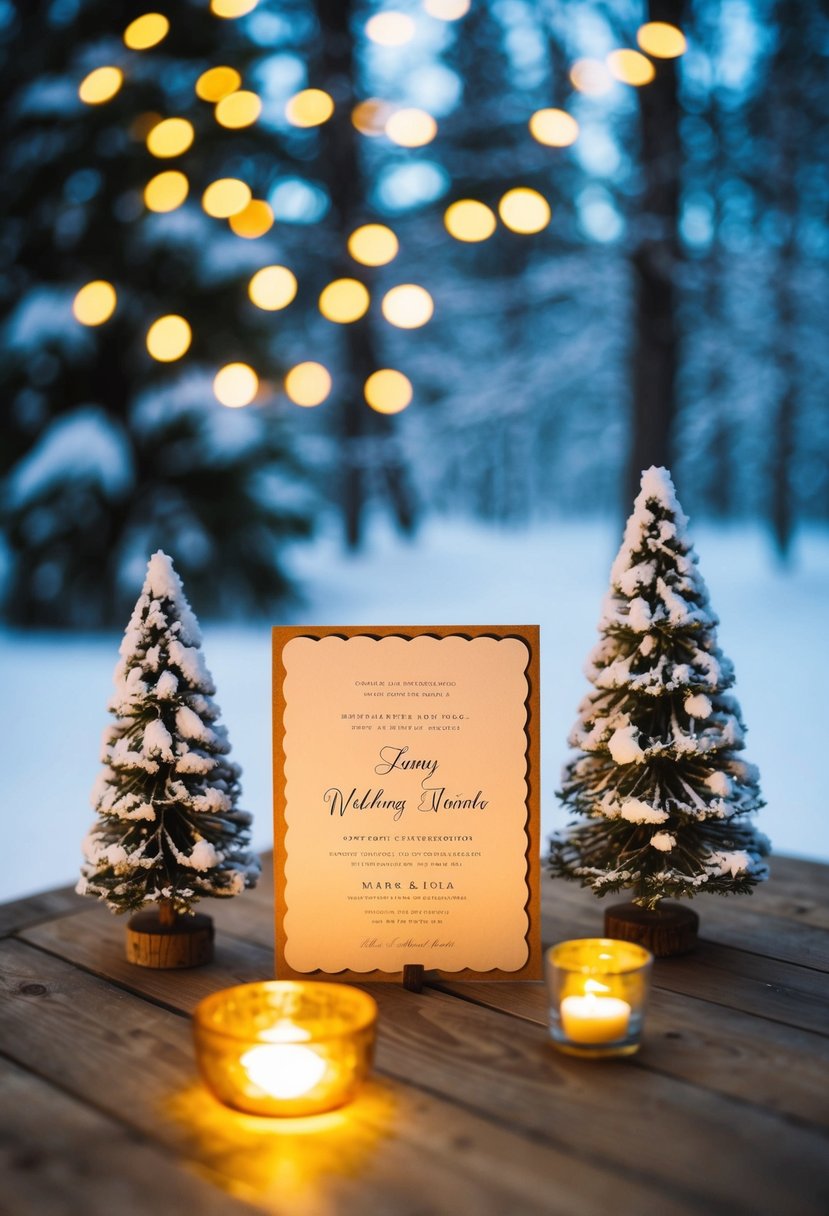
x=470 y=1109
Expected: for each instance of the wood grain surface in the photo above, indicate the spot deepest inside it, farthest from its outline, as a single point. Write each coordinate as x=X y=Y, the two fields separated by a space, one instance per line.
x=470 y=1110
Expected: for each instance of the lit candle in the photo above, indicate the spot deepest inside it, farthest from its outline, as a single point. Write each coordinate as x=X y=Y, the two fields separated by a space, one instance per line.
x=594 y=1019
x=285 y=1047
x=598 y=991
x=283 y=1070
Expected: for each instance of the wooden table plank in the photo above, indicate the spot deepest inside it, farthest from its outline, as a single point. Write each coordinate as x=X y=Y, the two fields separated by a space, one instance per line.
x=746 y=1057
x=60 y=1157
x=20 y=913
x=506 y=1070
x=723 y=1111
x=75 y=1028
x=740 y=921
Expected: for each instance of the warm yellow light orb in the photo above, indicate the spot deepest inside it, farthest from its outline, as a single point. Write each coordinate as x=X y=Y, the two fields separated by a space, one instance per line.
x=411 y=128
x=146 y=31
x=272 y=288
x=94 y=303
x=170 y=137
x=631 y=67
x=239 y=109
x=225 y=197
x=447 y=10
x=169 y=338
x=254 y=221
x=232 y=8
x=523 y=210
x=235 y=385
x=554 y=128
x=390 y=28
x=373 y=245
x=408 y=306
x=344 y=301
x=216 y=83
x=469 y=220
x=661 y=39
x=590 y=76
x=370 y=116
x=308 y=384
x=166 y=191
x=309 y=108
x=100 y=86
x=388 y=391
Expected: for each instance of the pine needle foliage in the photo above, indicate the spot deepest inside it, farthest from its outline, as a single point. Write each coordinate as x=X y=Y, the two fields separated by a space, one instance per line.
x=168 y=827
x=662 y=797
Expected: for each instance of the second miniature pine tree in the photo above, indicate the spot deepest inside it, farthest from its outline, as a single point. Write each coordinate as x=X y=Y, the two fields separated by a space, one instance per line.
x=169 y=831
x=662 y=796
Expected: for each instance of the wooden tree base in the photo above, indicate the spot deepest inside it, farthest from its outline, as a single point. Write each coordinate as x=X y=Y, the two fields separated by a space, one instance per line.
x=666 y=932
x=188 y=942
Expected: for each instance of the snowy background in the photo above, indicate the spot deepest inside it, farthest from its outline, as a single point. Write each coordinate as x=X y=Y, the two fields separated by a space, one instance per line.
x=56 y=686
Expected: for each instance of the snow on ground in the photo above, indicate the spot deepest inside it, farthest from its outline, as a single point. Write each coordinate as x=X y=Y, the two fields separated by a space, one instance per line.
x=56 y=686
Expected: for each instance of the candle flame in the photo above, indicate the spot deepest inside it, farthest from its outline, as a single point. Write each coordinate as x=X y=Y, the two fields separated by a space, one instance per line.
x=283 y=1070
x=593 y=986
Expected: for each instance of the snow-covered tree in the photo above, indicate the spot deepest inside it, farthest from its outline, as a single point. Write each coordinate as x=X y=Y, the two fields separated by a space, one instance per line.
x=657 y=777
x=168 y=830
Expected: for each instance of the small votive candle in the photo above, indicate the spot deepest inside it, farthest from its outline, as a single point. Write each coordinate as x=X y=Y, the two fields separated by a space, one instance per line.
x=285 y=1047
x=598 y=990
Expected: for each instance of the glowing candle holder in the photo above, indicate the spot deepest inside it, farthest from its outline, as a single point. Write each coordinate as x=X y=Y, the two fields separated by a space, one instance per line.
x=598 y=991
x=285 y=1047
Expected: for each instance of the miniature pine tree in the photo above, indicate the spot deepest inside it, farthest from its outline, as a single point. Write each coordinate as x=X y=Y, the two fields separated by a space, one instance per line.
x=657 y=777
x=168 y=830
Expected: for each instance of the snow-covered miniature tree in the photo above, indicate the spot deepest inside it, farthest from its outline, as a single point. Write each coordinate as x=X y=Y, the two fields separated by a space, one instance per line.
x=168 y=830
x=663 y=792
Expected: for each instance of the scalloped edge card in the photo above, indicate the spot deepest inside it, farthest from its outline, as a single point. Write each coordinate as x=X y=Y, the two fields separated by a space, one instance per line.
x=406 y=801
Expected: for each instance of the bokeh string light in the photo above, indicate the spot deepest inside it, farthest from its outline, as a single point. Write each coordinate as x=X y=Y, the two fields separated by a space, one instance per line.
x=469 y=220
x=231 y=9
x=166 y=191
x=225 y=197
x=309 y=108
x=410 y=127
x=388 y=391
x=308 y=384
x=169 y=338
x=235 y=385
x=344 y=301
x=238 y=109
x=94 y=303
x=390 y=28
x=447 y=10
x=100 y=85
x=252 y=221
x=661 y=40
x=272 y=288
x=554 y=128
x=216 y=83
x=408 y=305
x=630 y=67
x=170 y=137
x=373 y=245
x=524 y=211
x=146 y=31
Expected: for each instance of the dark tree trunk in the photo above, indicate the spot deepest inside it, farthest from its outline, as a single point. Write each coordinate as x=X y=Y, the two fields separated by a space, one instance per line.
x=789 y=136
x=654 y=261
x=369 y=444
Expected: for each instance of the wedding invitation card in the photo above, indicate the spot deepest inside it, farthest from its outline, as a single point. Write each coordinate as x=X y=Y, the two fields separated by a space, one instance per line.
x=406 y=775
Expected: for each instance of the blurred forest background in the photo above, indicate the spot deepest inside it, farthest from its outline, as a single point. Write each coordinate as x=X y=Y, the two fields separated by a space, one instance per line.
x=574 y=237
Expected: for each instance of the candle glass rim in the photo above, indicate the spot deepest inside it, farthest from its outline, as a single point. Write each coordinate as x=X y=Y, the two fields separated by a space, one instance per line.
x=359 y=1020
x=640 y=957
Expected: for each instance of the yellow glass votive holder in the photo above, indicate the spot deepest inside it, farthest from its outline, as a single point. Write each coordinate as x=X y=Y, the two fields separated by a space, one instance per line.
x=285 y=1047
x=598 y=989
